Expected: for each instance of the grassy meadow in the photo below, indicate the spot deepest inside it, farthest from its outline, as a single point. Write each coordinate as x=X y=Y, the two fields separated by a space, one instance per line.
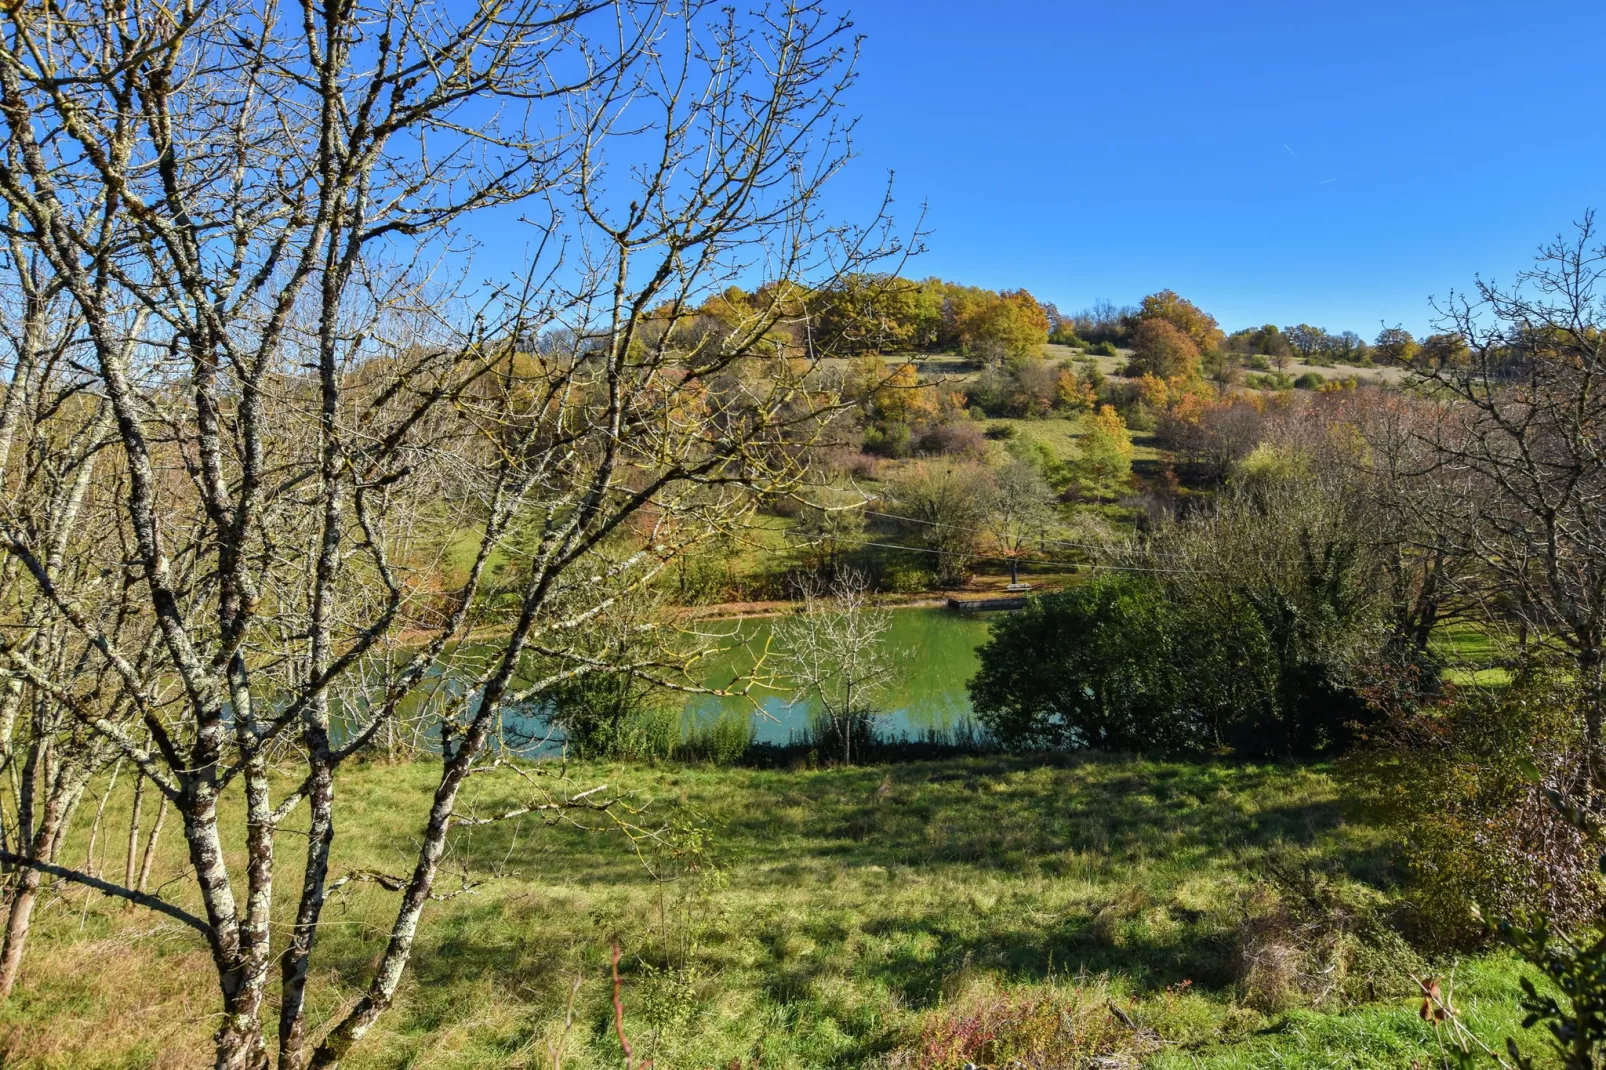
x=920 y=915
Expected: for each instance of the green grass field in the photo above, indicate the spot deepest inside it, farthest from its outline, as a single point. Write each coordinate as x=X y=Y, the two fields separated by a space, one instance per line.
x=918 y=915
x=1474 y=655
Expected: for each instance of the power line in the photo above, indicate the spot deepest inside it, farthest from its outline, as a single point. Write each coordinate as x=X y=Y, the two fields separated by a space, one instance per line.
x=1067 y=542
x=1075 y=564
x=981 y=531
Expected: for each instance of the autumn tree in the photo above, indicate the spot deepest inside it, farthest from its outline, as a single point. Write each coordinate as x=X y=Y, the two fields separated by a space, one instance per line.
x=927 y=310
x=1009 y=324
x=865 y=313
x=1107 y=449
x=1185 y=316
x=1394 y=345
x=944 y=509
x=1162 y=350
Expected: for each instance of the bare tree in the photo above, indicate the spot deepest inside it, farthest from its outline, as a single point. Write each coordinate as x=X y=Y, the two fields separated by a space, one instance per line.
x=255 y=215
x=834 y=653
x=1523 y=407
x=944 y=506
x=54 y=471
x=1431 y=580
x=1018 y=512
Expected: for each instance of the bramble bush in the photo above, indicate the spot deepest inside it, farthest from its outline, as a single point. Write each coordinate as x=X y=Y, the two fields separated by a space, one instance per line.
x=1467 y=785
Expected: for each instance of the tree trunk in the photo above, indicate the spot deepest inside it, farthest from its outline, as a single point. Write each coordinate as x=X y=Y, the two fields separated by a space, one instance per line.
x=59 y=804
x=239 y=1043
x=94 y=829
x=294 y=961
x=18 y=920
x=133 y=831
x=1589 y=674
x=150 y=848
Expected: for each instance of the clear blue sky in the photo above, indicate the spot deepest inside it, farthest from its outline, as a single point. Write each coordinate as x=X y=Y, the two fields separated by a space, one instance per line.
x=1333 y=163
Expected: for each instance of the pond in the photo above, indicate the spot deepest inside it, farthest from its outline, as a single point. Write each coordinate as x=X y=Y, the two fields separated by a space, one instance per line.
x=937 y=656
x=939 y=648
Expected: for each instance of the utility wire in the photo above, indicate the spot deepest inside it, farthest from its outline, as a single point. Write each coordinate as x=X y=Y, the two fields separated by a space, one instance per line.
x=1102 y=547
x=1040 y=540
x=1039 y=561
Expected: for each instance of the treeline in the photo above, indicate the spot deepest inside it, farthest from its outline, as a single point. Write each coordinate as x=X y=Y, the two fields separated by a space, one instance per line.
x=933 y=315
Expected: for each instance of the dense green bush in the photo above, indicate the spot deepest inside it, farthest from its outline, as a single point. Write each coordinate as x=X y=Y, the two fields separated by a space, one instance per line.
x=906 y=579
x=700 y=578
x=1023 y=387
x=1122 y=663
x=1089 y=667
x=1065 y=335
x=1309 y=381
x=890 y=439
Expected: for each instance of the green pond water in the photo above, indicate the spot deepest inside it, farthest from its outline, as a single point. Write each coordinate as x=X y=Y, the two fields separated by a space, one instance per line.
x=935 y=651
x=938 y=648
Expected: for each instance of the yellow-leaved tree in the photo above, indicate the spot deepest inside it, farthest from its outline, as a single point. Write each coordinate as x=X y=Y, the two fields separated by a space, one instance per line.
x=1107 y=450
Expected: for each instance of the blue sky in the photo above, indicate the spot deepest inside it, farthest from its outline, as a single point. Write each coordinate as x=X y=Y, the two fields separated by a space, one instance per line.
x=1275 y=162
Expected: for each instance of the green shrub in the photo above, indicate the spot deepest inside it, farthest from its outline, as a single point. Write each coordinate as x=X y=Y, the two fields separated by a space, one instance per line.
x=1269 y=381
x=1105 y=349
x=1139 y=417
x=907 y=579
x=1088 y=667
x=1067 y=336
x=892 y=439
x=1309 y=381
x=698 y=578
x=1577 y=1021
x=613 y=715
x=1208 y=651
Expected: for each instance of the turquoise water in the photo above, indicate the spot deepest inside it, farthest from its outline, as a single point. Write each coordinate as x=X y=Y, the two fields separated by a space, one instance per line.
x=937 y=655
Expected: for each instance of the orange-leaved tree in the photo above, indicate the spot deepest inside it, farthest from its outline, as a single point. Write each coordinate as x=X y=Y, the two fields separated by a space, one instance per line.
x=1185 y=316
